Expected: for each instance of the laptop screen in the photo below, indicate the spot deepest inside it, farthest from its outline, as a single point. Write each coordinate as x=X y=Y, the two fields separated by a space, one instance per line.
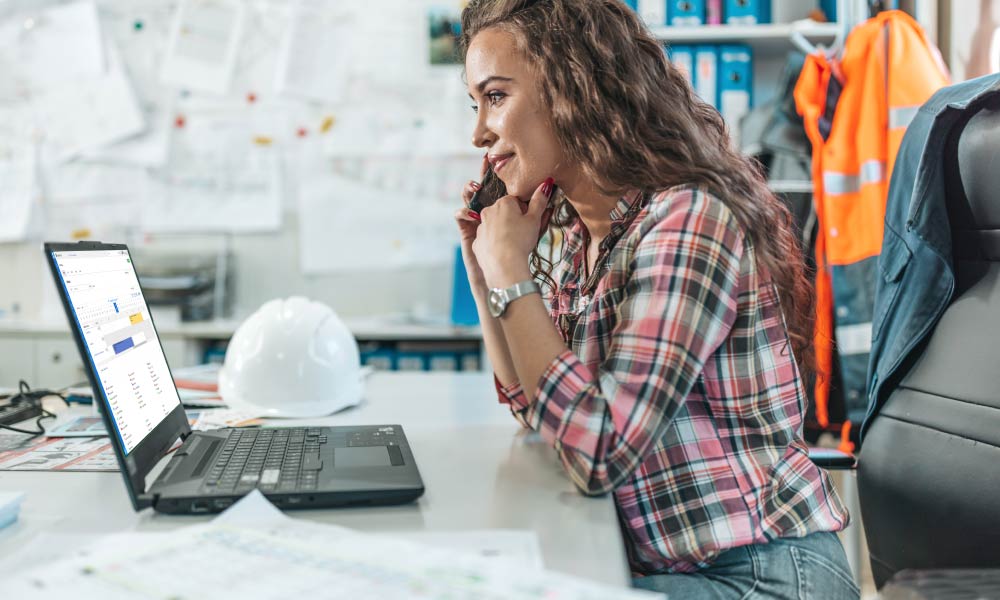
x=113 y=319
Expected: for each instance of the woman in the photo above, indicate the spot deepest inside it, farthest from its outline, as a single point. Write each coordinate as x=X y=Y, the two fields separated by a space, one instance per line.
x=659 y=361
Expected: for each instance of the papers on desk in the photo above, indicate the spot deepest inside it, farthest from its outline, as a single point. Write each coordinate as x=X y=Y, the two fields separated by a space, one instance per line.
x=79 y=427
x=200 y=398
x=10 y=507
x=217 y=418
x=19 y=452
x=199 y=420
x=198 y=386
x=520 y=547
x=253 y=551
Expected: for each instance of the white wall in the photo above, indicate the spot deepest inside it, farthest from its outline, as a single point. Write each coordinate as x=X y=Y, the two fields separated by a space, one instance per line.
x=972 y=22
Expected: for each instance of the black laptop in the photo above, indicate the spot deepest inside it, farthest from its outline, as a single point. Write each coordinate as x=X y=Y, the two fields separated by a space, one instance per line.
x=295 y=467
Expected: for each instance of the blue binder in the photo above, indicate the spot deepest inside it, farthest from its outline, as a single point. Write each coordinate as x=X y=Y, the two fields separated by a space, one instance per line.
x=411 y=360
x=379 y=357
x=735 y=84
x=683 y=58
x=685 y=12
x=463 y=306
x=706 y=74
x=829 y=8
x=653 y=12
x=747 y=12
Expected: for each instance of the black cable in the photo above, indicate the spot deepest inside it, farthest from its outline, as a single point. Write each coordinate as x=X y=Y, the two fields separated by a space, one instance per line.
x=34 y=397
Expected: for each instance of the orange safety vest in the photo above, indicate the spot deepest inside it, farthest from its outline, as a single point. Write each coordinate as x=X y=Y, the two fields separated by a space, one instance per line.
x=856 y=110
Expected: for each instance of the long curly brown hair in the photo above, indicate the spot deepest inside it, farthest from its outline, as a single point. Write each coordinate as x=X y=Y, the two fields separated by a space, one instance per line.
x=631 y=120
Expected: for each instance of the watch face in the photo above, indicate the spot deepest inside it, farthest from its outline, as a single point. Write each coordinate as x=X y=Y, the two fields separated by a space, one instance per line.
x=496 y=302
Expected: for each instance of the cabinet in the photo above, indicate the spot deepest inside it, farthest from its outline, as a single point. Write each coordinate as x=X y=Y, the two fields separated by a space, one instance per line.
x=50 y=359
x=17 y=361
x=45 y=354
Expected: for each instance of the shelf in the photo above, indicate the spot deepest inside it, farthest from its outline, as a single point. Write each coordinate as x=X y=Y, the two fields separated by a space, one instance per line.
x=365 y=329
x=766 y=37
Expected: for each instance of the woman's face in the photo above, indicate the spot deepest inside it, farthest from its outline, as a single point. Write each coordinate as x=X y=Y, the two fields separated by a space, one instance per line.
x=511 y=123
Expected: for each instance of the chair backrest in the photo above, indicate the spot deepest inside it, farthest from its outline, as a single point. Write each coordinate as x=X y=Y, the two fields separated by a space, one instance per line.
x=929 y=469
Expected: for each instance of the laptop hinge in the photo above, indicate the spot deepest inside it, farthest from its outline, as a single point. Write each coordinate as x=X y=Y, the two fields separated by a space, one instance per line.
x=146 y=500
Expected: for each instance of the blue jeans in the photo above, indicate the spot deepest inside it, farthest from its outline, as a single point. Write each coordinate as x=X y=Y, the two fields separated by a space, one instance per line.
x=788 y=568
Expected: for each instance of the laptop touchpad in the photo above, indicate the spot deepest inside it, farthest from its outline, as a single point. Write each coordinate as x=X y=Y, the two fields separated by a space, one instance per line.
x=363 y=456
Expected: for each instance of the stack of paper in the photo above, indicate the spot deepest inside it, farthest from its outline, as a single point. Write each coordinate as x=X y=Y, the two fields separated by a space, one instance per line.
x=253 y=551
x=10 y=506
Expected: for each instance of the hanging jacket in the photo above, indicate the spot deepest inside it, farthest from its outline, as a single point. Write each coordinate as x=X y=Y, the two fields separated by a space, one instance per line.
x=855 y=112
x=916 y=274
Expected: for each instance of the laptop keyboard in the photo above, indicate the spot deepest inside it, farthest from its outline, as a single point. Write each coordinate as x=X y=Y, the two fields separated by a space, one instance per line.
x=271 y=460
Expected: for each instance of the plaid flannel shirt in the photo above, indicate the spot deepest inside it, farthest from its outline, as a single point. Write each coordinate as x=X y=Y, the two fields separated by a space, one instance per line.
x=679 y=391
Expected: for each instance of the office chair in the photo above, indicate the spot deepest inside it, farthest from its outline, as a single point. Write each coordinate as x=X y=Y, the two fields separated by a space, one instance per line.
x=929 y=465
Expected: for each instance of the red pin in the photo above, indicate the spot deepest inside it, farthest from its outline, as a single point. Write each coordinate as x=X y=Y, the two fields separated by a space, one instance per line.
x=251 y=97
x=179 y=121
x=301 y=132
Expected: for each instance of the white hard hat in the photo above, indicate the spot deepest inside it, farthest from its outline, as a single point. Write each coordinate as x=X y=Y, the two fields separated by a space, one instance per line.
x=292 y=358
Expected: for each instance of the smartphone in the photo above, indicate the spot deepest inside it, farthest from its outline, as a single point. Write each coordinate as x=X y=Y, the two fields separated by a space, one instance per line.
x=491 y=190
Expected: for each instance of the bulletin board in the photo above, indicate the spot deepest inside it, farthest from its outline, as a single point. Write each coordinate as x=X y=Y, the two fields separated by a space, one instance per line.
x=124 y=118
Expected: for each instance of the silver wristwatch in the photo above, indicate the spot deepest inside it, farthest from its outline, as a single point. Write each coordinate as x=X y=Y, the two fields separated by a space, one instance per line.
x=499 y=298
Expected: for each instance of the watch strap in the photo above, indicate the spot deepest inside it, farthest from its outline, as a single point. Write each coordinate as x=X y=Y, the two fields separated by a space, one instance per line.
x=521 y=288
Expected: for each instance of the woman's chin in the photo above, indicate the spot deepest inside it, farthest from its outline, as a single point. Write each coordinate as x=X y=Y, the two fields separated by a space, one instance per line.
x=517 y=189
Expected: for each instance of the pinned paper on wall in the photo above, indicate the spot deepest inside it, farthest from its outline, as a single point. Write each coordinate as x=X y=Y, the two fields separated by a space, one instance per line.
x=315 y=53
x=18 y=175
x=438 y=179
x=18 y=195
x=40 y=51
x=387 y=127
x=203 y=46
x=236 y=197
x=345 y=225
x=384 y=54
x=90 y=114
x=148 y=149
x=218 y=179
x=102 y=199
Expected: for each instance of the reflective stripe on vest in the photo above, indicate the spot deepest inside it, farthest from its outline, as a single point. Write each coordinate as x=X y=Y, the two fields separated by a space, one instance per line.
x=872 y=171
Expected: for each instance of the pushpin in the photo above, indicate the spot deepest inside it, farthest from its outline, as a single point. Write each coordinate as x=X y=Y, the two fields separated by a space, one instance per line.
x=302 y=132
x=179 y=121
x=327 y=124
x=262 y=140
x=251 y=97
x=137 y=25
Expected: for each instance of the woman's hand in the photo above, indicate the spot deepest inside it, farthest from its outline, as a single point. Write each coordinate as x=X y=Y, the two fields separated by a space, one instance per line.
x=507 y=235
x=468 y=222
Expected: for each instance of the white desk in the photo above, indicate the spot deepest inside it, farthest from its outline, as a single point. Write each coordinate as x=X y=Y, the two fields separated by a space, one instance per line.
x=480 y=468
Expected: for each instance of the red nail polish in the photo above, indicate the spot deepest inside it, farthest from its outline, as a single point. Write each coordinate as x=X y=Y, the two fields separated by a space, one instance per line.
x=547 y=187
x=475 y=215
